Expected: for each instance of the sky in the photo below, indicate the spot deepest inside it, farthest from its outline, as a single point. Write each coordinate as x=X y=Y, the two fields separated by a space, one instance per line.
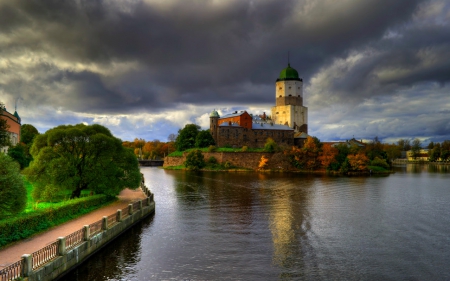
x=146 y=68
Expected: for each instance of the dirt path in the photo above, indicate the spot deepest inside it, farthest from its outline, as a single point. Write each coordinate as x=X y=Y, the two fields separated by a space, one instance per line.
x=14 y=252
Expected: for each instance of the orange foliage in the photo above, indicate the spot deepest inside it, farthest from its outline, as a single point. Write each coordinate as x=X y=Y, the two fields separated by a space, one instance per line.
x=328 y=155
x=358 y=161
x=263 y=162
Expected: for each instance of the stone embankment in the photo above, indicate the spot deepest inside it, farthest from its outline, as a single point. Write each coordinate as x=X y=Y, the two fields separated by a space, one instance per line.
x=58 y=258
x=248 y=160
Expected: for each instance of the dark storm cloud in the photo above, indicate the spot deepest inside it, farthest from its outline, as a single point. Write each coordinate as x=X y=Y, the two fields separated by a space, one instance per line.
x=201 y=52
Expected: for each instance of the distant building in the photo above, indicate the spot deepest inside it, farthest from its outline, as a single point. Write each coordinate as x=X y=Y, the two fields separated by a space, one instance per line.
x=349 y=143
x=422 y=156
x=287 y=125
x=14 y=123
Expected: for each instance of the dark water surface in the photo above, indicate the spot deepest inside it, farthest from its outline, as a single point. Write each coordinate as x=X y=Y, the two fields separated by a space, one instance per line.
x=250 y=226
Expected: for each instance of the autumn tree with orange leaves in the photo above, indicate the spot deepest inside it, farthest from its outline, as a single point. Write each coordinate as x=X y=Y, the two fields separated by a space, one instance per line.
x=328 y=155
x=359 y=161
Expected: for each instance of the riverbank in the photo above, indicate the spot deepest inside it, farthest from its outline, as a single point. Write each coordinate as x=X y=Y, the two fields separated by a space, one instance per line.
x=13 y=252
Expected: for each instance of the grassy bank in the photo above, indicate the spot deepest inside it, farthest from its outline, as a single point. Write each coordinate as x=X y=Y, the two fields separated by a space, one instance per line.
x=40 y=216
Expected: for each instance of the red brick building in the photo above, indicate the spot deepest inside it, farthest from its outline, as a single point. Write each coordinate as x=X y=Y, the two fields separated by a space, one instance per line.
x=14 y=123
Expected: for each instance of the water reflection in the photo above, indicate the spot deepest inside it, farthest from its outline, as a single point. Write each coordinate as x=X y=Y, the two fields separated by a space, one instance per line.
x=251 y=226
x=422 y=168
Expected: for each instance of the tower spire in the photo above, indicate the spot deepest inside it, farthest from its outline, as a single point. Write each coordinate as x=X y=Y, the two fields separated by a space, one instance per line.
x=289 y=63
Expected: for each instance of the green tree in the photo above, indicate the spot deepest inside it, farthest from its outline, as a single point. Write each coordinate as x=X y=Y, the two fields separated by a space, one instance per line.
x=195 y=160
x=82 y=157
x=12 y=190
x=204 y=139
x=186 y=137
x=416 y=147
x=404 y=144
x=435 y=153
x=4 y=135
x=27 y=134
x=20 y=154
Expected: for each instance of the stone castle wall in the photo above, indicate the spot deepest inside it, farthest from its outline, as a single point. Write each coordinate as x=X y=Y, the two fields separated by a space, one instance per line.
x=238 y=136
x=249 y=160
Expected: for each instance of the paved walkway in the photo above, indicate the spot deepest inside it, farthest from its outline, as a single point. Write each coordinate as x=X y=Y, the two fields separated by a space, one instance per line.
x=13 y=253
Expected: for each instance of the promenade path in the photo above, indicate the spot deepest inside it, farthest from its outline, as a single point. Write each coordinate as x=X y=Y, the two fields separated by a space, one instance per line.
x=14 y=252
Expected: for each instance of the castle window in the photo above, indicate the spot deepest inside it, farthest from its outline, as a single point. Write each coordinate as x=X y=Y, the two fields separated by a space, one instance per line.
x=276 y=113
x=290 y=95
x=299 y=88
x=280 y=88
x=289 y=87
x=298 y=95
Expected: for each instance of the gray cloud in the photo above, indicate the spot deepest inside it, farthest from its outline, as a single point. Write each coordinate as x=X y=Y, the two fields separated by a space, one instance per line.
x=131 y=57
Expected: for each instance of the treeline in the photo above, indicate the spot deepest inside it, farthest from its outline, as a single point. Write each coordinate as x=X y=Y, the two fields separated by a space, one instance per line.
x=356 y=156
x=439 y=151
x=150 y=149
x=351 y=156
x=191 y=136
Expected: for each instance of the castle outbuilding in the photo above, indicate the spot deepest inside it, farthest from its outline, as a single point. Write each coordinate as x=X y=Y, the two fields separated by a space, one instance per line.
x=287 y=125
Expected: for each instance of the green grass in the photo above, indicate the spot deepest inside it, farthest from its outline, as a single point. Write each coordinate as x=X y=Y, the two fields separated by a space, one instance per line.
x=59 y=199
x=179 y=167
x=377 y=169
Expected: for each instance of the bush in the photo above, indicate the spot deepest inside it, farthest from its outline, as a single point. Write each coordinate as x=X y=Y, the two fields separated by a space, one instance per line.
x=380 y=163
x=270 y=146
x=195 y=160
x=13 y=195
x=212 y=148
x=244 y=148
x=25 y=225
x=212 y=160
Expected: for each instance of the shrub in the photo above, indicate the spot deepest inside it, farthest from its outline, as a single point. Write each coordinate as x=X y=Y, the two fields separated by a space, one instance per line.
x=244 y=148
x=380 y=163
x=27 y=224
x=13 y=195
x=195 y=160
x=263 y=162
x=227 y=165
x=212 y=148
x=270 y=146
x=212 y=160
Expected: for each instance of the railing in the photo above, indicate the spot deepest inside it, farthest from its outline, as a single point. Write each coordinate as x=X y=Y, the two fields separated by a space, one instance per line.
x=11 y=272
x=51 y=251
x=125 y=212
x=44 y=255
x=95 y=227
x=74 y=239
x=136 y=206
x=112 y=219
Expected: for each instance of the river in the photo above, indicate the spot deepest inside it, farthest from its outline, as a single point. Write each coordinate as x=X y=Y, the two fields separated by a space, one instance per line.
x=251 y=226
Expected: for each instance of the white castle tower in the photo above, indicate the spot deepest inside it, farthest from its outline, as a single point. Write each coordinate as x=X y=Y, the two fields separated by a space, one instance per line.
x=289 y=109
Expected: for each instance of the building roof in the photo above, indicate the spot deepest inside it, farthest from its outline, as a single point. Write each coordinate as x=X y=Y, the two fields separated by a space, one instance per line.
x=234 y=114
x=270 y=126
x=300 y=135
x=214 y=113
x=288 y=73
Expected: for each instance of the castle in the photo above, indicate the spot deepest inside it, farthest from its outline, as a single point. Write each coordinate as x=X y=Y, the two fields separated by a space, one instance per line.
x=287 y=124
x=14 y=122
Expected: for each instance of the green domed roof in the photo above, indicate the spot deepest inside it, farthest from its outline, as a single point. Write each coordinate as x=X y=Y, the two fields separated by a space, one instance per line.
x=214 y=113
x=288 y=73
